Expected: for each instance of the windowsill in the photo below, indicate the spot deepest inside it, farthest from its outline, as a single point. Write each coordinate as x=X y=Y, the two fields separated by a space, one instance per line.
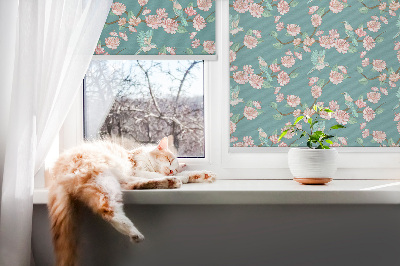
x=264 y=192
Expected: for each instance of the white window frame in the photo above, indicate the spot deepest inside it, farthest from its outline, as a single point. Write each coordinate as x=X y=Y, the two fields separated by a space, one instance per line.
x=246 y=163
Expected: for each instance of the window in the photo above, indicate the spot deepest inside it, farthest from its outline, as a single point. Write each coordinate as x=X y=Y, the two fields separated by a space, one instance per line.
x=142 y=101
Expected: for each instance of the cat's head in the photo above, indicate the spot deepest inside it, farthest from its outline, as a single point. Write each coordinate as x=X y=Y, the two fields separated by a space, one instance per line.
x=164 y=161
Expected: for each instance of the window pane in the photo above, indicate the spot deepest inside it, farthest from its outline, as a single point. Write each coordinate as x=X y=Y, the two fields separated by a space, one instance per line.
x=142 y=101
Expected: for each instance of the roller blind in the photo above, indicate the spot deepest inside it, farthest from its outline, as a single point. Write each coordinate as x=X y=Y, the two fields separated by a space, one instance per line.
x=287 y=56
x=137 y=28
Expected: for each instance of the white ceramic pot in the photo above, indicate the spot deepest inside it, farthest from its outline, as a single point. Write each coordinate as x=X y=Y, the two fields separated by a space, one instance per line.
x=312 y=166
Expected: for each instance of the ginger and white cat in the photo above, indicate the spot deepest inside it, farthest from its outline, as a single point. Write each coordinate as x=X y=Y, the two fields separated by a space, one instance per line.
x=94 y=174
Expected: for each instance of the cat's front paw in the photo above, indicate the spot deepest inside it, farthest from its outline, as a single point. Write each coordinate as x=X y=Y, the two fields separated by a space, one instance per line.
x=137 y=237
x=174 y=182
x=210 y=177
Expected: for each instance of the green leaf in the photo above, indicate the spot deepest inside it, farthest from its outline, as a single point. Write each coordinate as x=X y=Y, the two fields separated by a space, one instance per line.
x=360 y=141
x=274 y=105
x=328 y=110
x=274 y=34
x=283 y=134
x=321 y=82
x=210 y=19
x=329 y=141
x=379 y=39
x=294 y=75
x=363 y=81
x=235 y=118
x=321 y=11
x=379 y=110
x=181 y=29
x=309 y=144
x=360 y=69
x=249 y=32
x=363 y=10
x=267 y=85
x=294 y=3
x=277 y=116
x=337 y=126
x=235 y=47
x=309 y=121
x=352 y=120
x=352 y=49
x=189 y=51
x=277 y=45
x=266 y=14
x=298 y=119
x=302 y=134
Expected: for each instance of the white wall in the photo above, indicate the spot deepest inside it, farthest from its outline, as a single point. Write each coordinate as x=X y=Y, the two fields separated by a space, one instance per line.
x=248 y=235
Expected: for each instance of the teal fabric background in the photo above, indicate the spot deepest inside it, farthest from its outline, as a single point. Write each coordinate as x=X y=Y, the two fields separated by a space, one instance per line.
x=287 y=56
x=159 y=27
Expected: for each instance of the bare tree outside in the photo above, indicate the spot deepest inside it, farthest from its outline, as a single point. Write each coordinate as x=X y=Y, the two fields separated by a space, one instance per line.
x=144 y=101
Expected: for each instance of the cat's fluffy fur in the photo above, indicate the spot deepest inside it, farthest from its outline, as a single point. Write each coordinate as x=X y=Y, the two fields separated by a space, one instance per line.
x=94 y=174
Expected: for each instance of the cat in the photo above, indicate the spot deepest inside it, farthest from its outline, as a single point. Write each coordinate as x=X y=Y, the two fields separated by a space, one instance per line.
x=94 y=174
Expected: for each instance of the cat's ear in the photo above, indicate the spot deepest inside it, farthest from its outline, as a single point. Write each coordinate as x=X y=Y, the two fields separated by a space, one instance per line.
x=163 y=145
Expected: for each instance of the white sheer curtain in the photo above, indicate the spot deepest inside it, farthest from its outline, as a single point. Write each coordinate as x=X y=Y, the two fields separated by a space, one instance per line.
x=54 y=43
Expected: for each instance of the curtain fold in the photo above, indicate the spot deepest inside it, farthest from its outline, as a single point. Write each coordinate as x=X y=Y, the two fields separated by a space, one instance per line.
x=55 y=41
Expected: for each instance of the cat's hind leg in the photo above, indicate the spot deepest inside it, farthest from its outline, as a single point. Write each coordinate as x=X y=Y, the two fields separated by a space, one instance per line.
x=164 y=182
x=197 y=177
x=103 y=195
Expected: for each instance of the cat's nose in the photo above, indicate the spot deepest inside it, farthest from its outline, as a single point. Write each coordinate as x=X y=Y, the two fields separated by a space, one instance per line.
x=171 y=172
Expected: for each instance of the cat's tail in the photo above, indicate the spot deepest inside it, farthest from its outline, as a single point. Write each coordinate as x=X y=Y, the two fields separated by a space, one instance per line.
x=62 y=212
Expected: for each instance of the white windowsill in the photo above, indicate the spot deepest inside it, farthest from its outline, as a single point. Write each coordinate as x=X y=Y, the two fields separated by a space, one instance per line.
x=264 y=192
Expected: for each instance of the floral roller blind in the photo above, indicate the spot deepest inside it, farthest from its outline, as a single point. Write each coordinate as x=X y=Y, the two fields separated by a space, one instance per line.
x=287 y=56
x=159 y=27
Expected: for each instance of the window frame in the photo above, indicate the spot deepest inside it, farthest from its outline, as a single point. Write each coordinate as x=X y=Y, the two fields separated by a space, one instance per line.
x=244 y=163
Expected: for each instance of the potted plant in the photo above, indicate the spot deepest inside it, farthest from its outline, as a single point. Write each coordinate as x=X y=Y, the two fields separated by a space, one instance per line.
x=316 y=163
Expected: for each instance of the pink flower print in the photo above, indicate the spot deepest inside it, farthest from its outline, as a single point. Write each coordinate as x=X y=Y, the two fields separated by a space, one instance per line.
x=365 y=133
x=368 y=43
x=233 y=139
x=233 y=68
x=288 y=61
x=123 y=36
x=360 y=32
x=312 y=9
x=373 y=25
x=277 y=89
x=240 y=77
x=333 y=33
x=316 y=91
x=363 y=125
x=335 y=6
x=276 y=19
x=161 y=13
x=122 y=21
x=342 y=117
x=362 y=54
x=398 y=56
x=232 y=127
x=343 y=69
x=113 y=33
x=118 y=8
x=232 y=56
x=275 y=67
x=241 y=6
x=153 y=21
x=396 y=117
x=296 y=41
x=209 y=46
x=333 y=105
x=248 y=69
x=256 y=81
x=204 y=5
x=274 y=139
x=112 y=42
x=335 y=77
x=384 y=20
x=280 y=97
x=394 y=77
x=193 y=34
x=290 y=133
x=280 y=26
x=298 y=55
x=365 y=62
x=199 y=22
x=256 y=10
x=308 y=41
x=392 y=13
x=398 y=127
x=257 y=104
x=394 y=6
x=142 y=2
x=368 y=114
x=316 y=20
x=133 y=21
x=195 y=43
x=171 y=50
x=396 y=46
x=325 y=41
x=382 y=77
x=379 y=65
x=293 y=100
x=325 y=115
x=379 y=136
x=374 y=89
x=319 y=33
x=250 y=113
x=342 y=46
x=293 y=29
x=384 y=91
x=132 y=29
x=99 y=49
x=308 y=112
x=312 y=81
x=360 y=103
x=296 y=112
x=248 y=141
x=283 y=78
x=343 y=140
x=250 y=42
x=282 y=144
x=373 y=96
x=146 y=11
x=335 y=144
x=238 y=144
x=375 y=18
x=170 y=25
x=382 y=6
x=283 y=7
